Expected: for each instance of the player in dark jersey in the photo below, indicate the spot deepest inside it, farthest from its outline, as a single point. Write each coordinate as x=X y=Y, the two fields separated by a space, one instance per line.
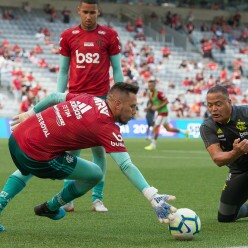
x=225 y=134
x=86 y=52
x=150 y=114
x=44 y=154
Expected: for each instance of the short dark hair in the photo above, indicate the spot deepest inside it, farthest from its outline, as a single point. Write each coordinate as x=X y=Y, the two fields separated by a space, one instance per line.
x=152 y=80
x=89 y=2
x=124 y=87
x=219 y=88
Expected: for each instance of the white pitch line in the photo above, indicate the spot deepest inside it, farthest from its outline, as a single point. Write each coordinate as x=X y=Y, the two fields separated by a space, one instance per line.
x=237 y=247
x=176 y=151
x=169 y=157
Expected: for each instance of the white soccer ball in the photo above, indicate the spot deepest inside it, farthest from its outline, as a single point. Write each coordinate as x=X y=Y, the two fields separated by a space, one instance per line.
x=185 y=225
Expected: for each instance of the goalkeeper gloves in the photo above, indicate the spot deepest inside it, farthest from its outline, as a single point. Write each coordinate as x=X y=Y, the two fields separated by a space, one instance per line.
x=159 y=203
x=16 y=120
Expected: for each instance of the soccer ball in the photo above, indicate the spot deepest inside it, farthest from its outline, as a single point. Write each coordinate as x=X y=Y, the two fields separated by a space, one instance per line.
x=185 y=225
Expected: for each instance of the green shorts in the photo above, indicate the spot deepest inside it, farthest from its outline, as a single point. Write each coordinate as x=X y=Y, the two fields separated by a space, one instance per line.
x=58 y=168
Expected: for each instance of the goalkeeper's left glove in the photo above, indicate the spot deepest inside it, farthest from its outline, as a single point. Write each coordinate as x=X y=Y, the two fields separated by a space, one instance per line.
x=17 y=119
x=160 y=205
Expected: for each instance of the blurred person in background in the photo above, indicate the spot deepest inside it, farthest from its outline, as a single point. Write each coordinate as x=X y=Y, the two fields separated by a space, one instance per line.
x=160 y=104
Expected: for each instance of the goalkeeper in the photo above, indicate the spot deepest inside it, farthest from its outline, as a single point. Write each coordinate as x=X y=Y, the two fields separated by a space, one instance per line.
x=44 y=154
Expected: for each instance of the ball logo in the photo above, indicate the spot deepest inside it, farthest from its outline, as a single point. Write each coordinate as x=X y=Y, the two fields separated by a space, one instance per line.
x=188 y=229
x=87 y=58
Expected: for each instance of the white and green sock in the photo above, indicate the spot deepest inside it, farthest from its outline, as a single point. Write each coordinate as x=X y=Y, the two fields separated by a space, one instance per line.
x=99 y=158
x=67 y=194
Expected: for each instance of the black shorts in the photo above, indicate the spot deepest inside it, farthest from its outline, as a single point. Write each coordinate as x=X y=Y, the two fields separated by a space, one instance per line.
x=235 y=191
x=58 y=168
x=150 y=119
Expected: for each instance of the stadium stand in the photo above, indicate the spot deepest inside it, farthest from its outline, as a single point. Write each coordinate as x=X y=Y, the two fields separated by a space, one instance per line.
x=184 y=62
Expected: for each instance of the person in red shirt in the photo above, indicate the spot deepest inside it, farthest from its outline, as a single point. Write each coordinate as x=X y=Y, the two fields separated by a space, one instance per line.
x=210 y=82
x=236 y=76
x=238 y=65
x=30 y=77
x=187 y=82
x=223 y=74
x=16 y=48
x=129 y=27
x=212 y=65
x=16 y=87
x=5 y=43
x=14 y=72
x=44 y=154
x=86 y=53
x=46 y=32
x=166 y=52
x=221 y=43
x=42 y=63
x=38 y=49
x=244 y=100
x=139 y=24
x=243 y=50
x=206 y=48
x=175 y=21
x=244 y=35
x=26 y=104
x=190 y=27
x=7 y=15
x=48 y=42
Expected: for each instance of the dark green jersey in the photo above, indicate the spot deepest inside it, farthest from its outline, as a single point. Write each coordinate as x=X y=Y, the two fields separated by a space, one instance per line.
x=225 y=134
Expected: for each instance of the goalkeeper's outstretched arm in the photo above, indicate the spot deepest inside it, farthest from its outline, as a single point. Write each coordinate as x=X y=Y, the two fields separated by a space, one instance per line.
x=159 y=202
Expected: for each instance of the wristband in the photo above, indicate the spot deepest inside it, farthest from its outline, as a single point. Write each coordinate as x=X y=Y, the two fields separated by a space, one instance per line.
x=149 y=193
x=31 y=112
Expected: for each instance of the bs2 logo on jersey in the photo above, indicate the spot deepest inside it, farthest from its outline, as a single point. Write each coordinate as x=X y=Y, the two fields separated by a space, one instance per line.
x=87 y=58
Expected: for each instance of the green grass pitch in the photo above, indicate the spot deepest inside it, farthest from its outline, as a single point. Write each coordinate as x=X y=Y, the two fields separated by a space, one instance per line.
x=179 y=167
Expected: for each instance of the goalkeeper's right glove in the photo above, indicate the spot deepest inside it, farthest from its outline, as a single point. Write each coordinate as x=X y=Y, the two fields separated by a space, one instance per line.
x=160 y=205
